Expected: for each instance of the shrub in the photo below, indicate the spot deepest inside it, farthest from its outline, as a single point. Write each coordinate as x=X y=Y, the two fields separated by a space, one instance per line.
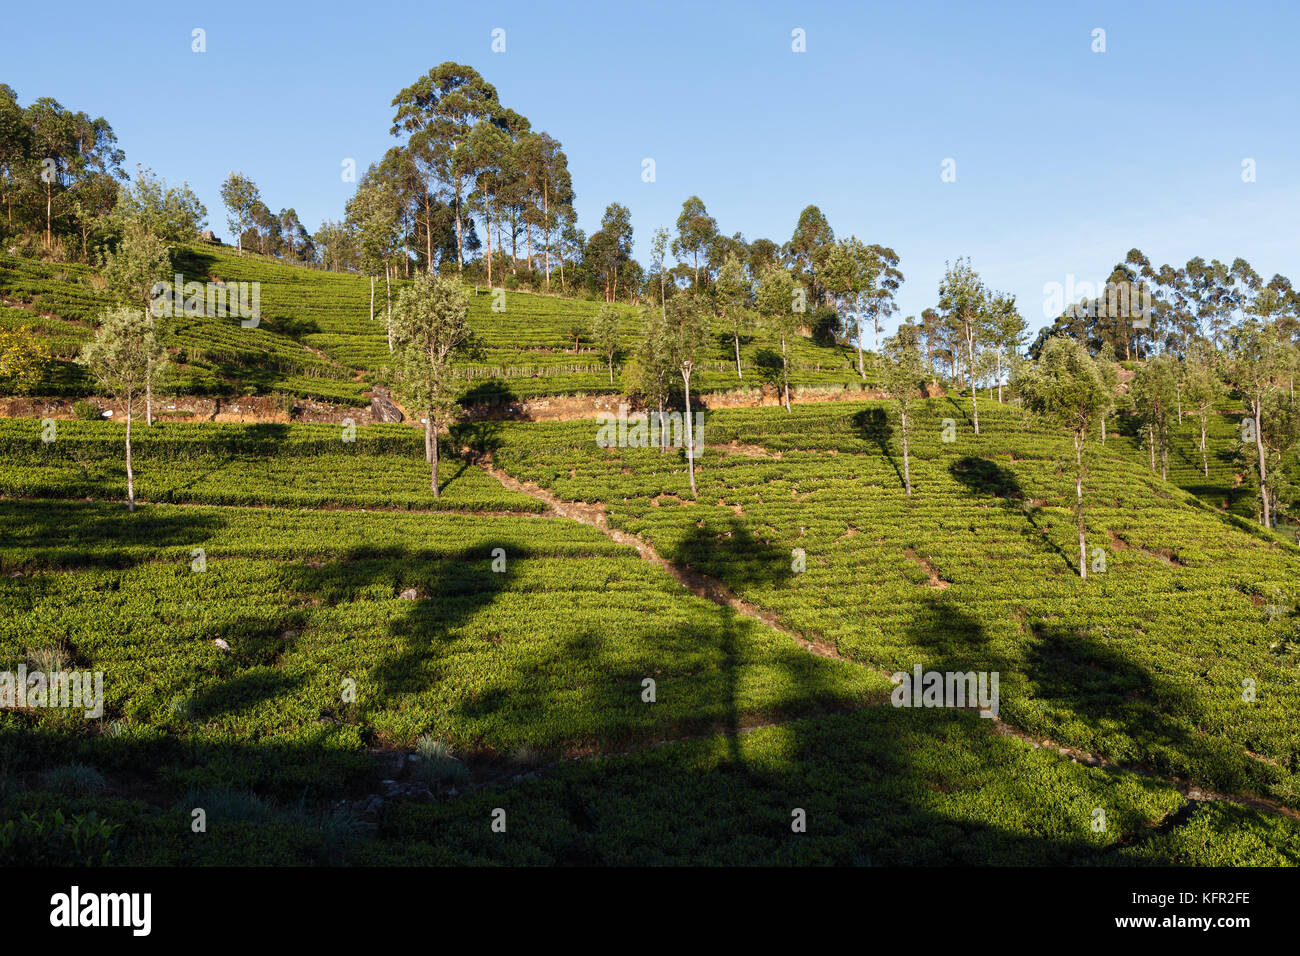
x=75 y=780
x=85 y=411
x=437 y=763
x=55 y=840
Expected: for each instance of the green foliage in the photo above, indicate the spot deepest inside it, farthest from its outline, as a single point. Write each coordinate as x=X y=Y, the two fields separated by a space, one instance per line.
x=75 y=780
x=51 y=839
x=151 y=206
x=22 y=359
x=604 y=333
x=240 y=196
x=125 y=352
x=140 y=261
x=1066 y=386
x=429 y=327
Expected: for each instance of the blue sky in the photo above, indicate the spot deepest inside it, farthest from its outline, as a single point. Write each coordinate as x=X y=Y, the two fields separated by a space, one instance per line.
x=1065 y=158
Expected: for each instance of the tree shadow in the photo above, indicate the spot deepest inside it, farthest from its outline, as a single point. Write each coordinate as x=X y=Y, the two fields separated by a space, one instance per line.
x=983 y=477
x=79 y=534
x=767 y=363
x=959 y=407
x=194 y=265
x=875 y=782
x=874 y=426
x=481 y=438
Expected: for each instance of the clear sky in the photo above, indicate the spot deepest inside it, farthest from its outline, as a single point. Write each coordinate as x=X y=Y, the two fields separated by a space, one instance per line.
x=1064 y=158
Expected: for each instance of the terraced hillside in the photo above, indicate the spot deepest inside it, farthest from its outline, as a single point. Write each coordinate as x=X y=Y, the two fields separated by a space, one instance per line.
x=315 y=339
x=1143 y=663
x=352 y=634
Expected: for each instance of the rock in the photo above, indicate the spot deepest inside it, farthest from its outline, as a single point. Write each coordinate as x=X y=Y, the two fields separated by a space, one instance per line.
x=221 y=644
x=390 y=762
x=390 y=787
x=373 y=805
x=382 y=408
x=409 y=594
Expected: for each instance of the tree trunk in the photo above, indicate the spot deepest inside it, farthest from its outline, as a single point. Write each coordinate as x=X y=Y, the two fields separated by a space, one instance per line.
x=862 y=372
x=1263 y=467
x=737 y=340
x=690 y=435
x=433 y=469
x=1151 y=444
x=1103 y=431
x=372 y=298
x=663 y=439
x=1078 y=502
x=460 y=243
x=388 y=314
x=785 y=373
x=999 y=354
x=487 y=228
x=130 y=475
x=907 y=469
x=1205 y=460
x=970 y=375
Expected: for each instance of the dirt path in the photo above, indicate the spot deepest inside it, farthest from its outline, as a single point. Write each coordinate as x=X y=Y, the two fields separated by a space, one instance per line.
x=711 y=589
x=701 y=585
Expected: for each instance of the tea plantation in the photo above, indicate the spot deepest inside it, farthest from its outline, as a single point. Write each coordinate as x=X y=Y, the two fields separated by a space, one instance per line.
x=296 y=637
x=315 y=339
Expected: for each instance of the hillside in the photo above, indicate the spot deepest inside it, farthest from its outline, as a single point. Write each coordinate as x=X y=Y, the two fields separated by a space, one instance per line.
x=324 y=563
x=316 y=341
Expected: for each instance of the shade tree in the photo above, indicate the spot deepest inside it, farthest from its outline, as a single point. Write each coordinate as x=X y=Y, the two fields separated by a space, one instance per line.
x=1064 y=386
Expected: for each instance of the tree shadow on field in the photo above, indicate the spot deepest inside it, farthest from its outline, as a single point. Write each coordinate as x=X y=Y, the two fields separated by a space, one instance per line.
x=767 y=363
x=878 y=785
x=874 y=426
x=959 y=407
x=1061 y=679
x=259 y=439
x=983 y=477
x=1087 y=678
x=450 y=587
x=492 y=400
x=79 y=534
x=479 y=437
x=724 y=550
x=193 y=265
